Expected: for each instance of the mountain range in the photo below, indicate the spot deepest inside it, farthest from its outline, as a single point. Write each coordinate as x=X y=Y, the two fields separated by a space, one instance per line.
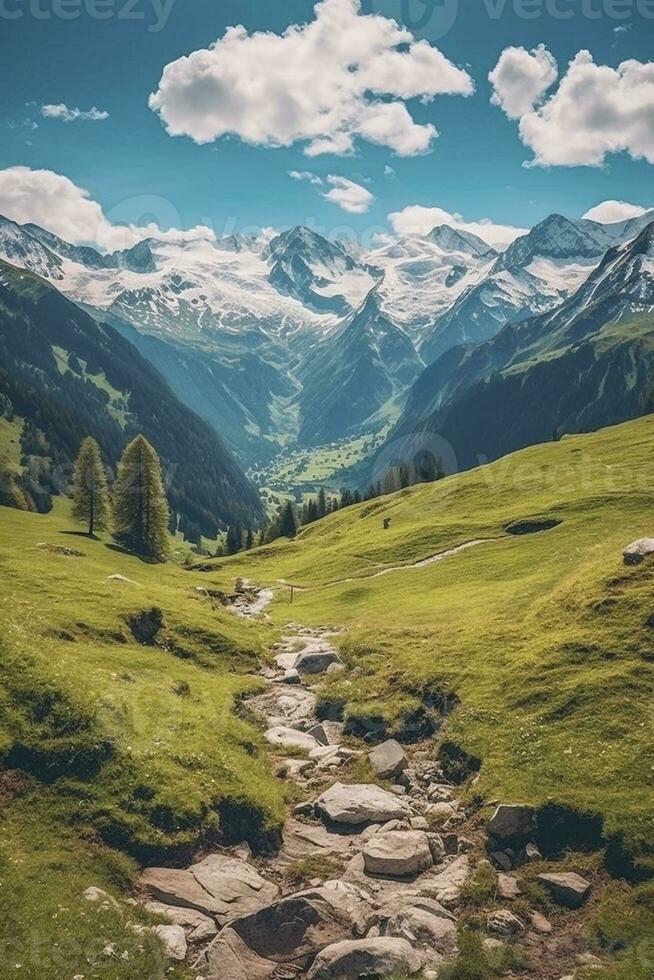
x=294 y=340
x=64 y=376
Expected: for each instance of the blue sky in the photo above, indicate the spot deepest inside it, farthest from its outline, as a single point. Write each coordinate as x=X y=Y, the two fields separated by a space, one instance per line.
x=475 y=167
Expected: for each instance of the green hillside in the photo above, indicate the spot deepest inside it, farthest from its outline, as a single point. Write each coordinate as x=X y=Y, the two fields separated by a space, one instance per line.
x=535 y=652
x=64 y=376
x=543 y=638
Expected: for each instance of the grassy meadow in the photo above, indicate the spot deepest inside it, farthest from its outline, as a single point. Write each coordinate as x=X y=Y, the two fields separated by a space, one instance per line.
x=541 y=646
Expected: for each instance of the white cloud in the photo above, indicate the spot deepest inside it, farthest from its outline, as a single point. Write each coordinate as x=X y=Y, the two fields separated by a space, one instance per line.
x=610 y=212
x=418 y=220
x=319 y=83
x=521 y=78
x=65 y=114
x=388 y=171
x=348 y=195
x=596 y=110
x=56 y=203
x=306 y=175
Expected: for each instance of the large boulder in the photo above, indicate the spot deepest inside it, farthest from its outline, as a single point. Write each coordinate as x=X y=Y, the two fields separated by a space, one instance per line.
x=365 y=958
x=219 y=886
x=424 y=923
x=400 y=854
x=173 y=940
x=316 y=661
x=290 y=931
x=388 y=760
x=198 y=927
x=636 y=552
x=360 y=804
x=568 y=889
x=511 y=821
x=291 y=738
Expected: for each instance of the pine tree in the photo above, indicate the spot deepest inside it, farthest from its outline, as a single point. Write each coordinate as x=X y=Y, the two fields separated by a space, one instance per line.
x=322 y=503
x=233 y=540
x=90 y=492
x=288 y=521
x=249 y=539
x=139 y=502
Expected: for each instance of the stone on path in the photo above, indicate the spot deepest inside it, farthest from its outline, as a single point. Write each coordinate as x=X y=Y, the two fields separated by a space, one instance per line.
x=511 y=821
x=198 y=926
x=173 y=940
x=424 y=923
x=540 y=923
x=316 y=659
x=220 y=886
x=291 y=738
x=503 y=923
x=507 y=887
x=400 y=854
x=365 y=958
x=290 y=931
x=567 y=889
x=388 y=759
x=360 y=804
x=636 y=552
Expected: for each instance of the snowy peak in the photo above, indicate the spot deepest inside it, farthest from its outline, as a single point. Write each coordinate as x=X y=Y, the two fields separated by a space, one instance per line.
x=456 y=240
x=20 y=248
x=321 y=274
x=554 y=238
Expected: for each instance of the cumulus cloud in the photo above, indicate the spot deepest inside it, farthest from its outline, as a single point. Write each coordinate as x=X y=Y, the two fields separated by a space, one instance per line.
x=343 y=76
x=521 y=78
x=388 y=171
x=63 y=113
x=306 y=175
x=57 y=204
x=595 y=111
x=418 y=220
x=610 y=212
x=348 y=195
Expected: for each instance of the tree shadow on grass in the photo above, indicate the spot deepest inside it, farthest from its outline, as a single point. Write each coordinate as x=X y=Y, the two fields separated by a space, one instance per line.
x=146 y=559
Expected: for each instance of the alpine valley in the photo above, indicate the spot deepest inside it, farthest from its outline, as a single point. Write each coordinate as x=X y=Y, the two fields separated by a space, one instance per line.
x=289 y=345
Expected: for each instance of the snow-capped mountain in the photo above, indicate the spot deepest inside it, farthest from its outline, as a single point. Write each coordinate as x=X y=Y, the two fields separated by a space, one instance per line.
x=358 y=370
x=278 y=338
x=321 y=274
x=535 y=274
x=586 y=364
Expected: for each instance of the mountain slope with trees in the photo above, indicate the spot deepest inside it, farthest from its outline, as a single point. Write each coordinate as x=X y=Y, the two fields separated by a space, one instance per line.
x=68 y=377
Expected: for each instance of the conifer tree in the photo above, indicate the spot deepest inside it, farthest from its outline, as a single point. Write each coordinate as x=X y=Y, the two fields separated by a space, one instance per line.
x=322 y=503
x=233 y=540
x=288 y=521
x=139 y=502
x=90 y=492
x=249 y=539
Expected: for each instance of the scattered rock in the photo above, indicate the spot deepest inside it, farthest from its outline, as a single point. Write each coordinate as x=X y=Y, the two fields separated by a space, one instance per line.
x=314 y=661
x=173 y=940
x=359 y=804
x=511 y=822
x=388 y=760
x=503 y=923
x=419 y=823
x=501 y=860
x=200 y=927
x=291 y=931
x=424 y=923
x=365 y=958
x=541 y=924
x=507 y=887
x=401 y=854
x=291 y=677
x=567 y=889
x=530 y=853
x=291 y=738
x=220 y=886
x=636 y=552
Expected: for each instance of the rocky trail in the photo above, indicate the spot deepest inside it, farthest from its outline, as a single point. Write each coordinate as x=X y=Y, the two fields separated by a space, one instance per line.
x=375 y=868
